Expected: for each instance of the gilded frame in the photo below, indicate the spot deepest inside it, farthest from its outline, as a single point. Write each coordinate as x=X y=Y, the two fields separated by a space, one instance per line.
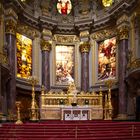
x=68 y=40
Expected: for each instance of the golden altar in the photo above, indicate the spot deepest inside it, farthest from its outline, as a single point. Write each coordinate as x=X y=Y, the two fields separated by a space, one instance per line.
x=52 y=103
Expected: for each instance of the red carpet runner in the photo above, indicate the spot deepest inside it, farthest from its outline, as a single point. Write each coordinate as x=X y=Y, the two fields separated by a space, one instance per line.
x=71 y=130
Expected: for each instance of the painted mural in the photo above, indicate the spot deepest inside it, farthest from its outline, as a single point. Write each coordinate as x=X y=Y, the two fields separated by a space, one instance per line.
x=24 y=56
x=107 y=59
x=64 y=64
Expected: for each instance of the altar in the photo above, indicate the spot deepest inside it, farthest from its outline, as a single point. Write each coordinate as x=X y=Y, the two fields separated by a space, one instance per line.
x=76 y=113
x=59 y=105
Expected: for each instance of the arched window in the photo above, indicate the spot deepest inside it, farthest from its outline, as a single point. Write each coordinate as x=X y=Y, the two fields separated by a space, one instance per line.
x=24 y=56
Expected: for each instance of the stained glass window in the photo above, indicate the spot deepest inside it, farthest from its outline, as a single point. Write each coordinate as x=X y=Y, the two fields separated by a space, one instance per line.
x=24 y=56
x=64 y=6
x=107 y=59
x=64 y=64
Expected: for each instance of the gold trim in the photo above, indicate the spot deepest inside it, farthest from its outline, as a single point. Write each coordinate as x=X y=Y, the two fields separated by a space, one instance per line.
x=84 y=47
x=27 y=30
x=3 y=58
x=46 y=32
x=10 y=26
x=123 y=32
x=65 y=39
x=84 y=34
x=134 y=64
x=103 y=34
x=18 y=104
x=45 y=45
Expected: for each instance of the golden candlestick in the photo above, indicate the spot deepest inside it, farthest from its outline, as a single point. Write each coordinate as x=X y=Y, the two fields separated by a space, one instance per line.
x=18 y=103
x=34 y=109
x=108 y=105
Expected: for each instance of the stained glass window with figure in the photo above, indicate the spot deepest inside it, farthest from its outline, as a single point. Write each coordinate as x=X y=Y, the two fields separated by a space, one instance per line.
x=64 y=64
x=107 y=59
x=24 y=56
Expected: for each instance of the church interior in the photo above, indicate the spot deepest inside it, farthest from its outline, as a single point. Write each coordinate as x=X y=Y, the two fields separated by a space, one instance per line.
x=69 y=60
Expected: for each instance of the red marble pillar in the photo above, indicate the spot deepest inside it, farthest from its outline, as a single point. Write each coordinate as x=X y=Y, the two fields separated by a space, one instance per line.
x=123 y=32
x=11 y=41
x=46 y=48
x=84 y=49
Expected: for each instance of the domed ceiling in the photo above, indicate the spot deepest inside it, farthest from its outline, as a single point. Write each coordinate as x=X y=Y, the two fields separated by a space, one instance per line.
x=84 y=15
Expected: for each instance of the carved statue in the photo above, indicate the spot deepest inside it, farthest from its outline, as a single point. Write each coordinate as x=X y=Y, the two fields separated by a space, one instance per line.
x=73 y=91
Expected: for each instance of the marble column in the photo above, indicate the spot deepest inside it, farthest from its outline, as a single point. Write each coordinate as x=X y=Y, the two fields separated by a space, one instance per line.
x=84 y=49
x=123 y=34
x=46 y=48
x=0 y=93
x=137 y=34
x=10 y=26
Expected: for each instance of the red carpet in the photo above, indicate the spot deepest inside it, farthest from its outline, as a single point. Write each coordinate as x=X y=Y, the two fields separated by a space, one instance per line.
x=71 y=130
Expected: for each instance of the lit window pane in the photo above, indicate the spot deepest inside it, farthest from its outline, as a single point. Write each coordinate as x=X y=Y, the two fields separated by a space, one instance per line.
x=107 y=59
x=24 y=56
x=64 y=64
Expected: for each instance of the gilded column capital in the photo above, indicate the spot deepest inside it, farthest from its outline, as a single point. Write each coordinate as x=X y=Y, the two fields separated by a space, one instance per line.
x=84 y=34
x=123 y=32
x=45 y=45
x=84 y=47
x=10 y=26
x=46 y=32
x=123 y=27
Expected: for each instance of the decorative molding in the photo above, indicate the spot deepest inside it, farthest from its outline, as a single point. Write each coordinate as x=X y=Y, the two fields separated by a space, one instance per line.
x=30 y=32
x=3 y=58
x=123 y=19
x=11 y=13
x=123 y=32
x=65 y=38
x=103 y=34
x=83 y=17
x=46 y=32
x=84 y=34
x=134 y=64
x=84 y=47
x=10 y=26
x=123 y=27
x=45 y=45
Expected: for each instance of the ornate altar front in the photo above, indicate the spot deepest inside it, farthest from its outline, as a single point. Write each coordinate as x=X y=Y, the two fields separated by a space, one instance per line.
x=54 y=104
x=76 y=113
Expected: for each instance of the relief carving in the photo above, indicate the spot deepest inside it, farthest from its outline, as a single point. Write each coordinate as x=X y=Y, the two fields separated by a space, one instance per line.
x=101 y=35
x=84 y=7
x=10 y=26
x=65 y=38
x=27 y=31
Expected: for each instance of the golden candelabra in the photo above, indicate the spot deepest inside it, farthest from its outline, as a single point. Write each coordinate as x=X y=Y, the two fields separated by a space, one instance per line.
x=18 y=104
x=108 y=105
x=34 y=108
